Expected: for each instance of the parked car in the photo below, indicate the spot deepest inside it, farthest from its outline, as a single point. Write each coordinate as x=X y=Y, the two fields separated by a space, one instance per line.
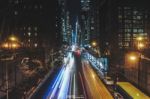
x=25 y=60
x=118 y=95
x=108 y=81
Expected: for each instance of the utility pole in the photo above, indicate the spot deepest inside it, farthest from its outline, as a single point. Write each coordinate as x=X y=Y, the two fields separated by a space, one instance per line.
x=7 y=83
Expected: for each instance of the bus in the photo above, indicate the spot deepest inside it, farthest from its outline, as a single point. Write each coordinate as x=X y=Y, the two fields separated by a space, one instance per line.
x=129 y=91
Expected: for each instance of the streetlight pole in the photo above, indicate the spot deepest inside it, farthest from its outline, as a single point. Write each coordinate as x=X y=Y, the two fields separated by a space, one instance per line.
x=7 y=83
x=139 y=68
x=140 y=45
x=11 y=44
x=7 y=76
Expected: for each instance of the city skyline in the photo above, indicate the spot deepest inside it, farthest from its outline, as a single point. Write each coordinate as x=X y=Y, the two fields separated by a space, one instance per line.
x=60 y=49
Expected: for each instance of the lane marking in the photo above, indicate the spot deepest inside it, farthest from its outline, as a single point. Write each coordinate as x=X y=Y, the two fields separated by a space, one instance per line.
x=74 y=86
x=82 y=85
x=70 y=85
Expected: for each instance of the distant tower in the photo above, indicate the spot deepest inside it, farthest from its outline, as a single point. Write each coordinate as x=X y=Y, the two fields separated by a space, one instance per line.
x=85 y=21
x=66 y=28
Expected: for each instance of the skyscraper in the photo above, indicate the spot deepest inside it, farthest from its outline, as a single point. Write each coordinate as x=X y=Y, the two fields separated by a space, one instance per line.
x=89 y=21
x=85 y=21
x=132 y=22
x=66 y=28
x=121 y=22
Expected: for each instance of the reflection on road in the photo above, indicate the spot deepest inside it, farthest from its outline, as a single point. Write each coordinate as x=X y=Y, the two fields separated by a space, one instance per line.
x=77 y=79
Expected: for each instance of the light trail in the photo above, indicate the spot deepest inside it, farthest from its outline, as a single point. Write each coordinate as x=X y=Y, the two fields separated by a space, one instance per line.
x=70 y=87
x=55 y=87
x=51 y=88
x=74 y=86
x=59 y=76
x=65 y=85
x=61 y=86
x=64 y=89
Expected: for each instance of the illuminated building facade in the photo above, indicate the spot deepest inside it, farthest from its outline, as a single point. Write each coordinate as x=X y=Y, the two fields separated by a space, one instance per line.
x=85 y=21
x=132 y=22
x=121 y=22
x=89 y=21
x=65 y=25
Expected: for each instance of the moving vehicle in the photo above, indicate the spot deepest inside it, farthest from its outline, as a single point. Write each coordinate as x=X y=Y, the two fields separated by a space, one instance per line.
x=118 y=95
x=108 y=81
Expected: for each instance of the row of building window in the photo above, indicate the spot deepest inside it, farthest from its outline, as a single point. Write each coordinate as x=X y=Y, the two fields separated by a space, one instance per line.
x=31 y=34
x=135 y=34
x=129 y=30
x=33 y=7
x=138 y=17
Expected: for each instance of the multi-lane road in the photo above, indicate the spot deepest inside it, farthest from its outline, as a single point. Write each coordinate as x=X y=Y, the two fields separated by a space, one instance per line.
x=94 y=86
x=76 y=80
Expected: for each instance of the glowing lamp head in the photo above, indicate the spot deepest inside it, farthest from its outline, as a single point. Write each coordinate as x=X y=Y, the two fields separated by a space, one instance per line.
x=132 y=58
x=12 y=38
x=5 y=45
x=94 y=43
x=140 y=38
x=140 y=45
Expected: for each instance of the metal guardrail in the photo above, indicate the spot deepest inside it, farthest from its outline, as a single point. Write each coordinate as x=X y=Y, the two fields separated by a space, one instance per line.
x=31 y=94
x=95 y=65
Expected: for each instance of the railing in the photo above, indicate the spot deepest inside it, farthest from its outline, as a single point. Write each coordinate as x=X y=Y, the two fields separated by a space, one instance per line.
x=100 y=64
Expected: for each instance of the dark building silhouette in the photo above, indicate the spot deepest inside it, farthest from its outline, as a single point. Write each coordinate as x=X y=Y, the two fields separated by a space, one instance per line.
x=33 y=21
x=89 y=21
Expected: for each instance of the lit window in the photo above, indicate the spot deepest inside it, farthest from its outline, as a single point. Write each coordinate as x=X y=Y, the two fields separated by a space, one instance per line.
x=35 y=34
x=29 y=34
x=127 y=30
x=138 y=17
x=29 y=28
x=140 y=30
x=92 y=28
x=92 y=21
x=35 y=45
x=134 y=30
x=134 y=21
x=35 y=28
x=120 y=16
x=135 y=12
x=16 y=12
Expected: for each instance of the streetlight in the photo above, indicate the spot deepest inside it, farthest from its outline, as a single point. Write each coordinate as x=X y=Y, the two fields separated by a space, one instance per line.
x=139 y=38
x=140 y=44
x=10 y=44
x=13 y=38
x=94 y=44
x=96 y=49
x=133 y=58
x=136 y=59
